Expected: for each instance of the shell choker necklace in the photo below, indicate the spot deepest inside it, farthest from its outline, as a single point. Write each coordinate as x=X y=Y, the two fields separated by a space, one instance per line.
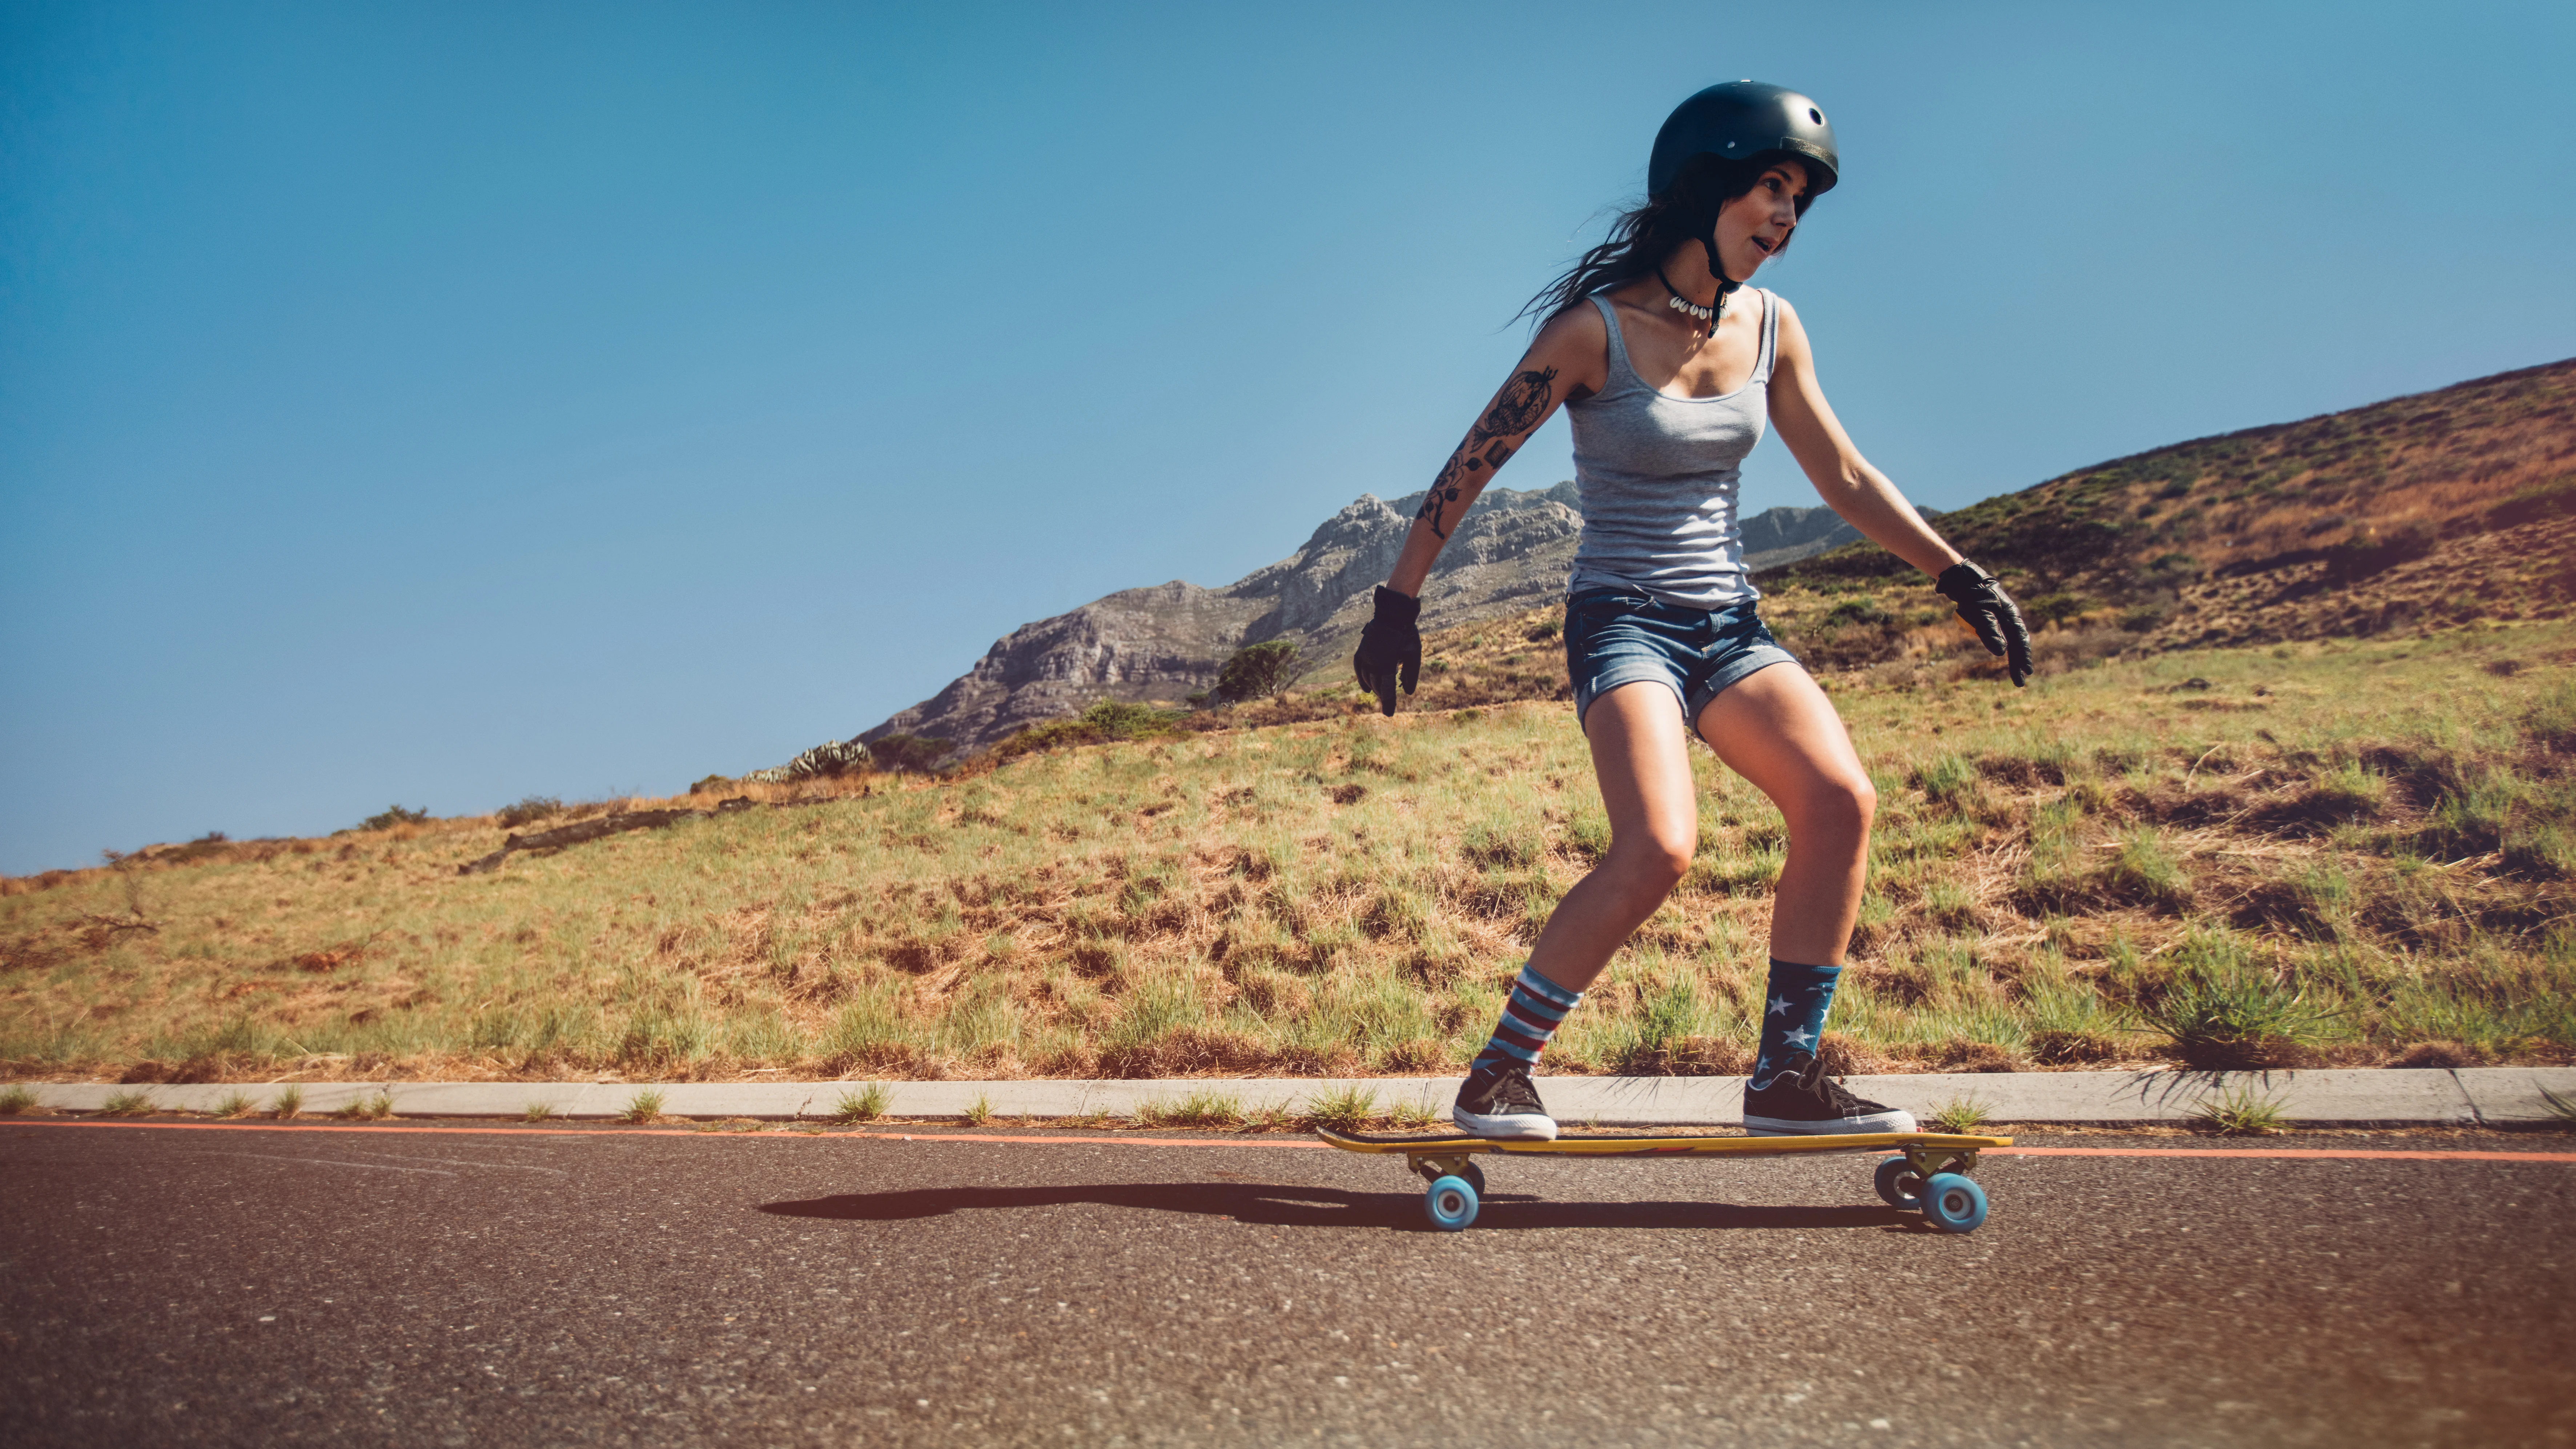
x=1679 y=303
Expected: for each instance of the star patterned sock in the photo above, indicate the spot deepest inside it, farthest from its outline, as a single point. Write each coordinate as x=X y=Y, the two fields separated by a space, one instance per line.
x=1793 y=1015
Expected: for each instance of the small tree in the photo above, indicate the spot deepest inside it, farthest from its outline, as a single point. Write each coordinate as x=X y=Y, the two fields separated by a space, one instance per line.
x=1258 y=669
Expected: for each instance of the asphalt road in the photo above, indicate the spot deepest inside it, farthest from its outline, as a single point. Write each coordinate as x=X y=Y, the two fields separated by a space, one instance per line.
x=407 y=1285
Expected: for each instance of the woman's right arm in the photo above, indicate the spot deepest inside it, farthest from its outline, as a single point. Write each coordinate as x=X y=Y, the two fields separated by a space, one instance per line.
x=1564 y=363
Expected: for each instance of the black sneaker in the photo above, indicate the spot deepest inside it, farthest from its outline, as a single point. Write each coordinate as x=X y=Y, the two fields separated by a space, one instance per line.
x=1500 y=1102
x=1801 y=1101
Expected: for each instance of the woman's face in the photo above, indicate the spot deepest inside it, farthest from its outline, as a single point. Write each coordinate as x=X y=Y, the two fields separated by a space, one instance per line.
x=1753 y=227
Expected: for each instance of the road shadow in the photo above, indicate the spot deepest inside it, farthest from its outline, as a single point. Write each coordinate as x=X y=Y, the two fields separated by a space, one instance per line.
x=1324 y=1207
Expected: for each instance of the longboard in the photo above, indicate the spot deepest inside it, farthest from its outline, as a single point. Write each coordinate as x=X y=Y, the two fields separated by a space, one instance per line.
x=1929 y=1171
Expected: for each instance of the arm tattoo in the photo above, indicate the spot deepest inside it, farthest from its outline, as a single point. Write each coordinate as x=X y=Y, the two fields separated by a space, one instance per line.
x=1445 y=490
x=1524 y=400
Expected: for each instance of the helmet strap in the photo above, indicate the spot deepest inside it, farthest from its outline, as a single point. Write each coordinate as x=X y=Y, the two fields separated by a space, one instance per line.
x=1717 y=269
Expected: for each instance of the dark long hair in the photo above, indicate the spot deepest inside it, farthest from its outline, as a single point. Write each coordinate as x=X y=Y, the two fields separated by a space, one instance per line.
x=1644 y=235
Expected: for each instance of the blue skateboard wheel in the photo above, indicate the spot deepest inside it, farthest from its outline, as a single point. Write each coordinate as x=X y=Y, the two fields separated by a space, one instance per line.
x=1899 y=1185
x=1953 y=1203
x=1451 y=1204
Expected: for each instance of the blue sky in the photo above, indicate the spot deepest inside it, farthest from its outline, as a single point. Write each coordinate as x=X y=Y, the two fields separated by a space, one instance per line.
x=439 y=404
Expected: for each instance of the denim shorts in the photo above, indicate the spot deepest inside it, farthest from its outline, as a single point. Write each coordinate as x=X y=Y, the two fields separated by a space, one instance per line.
x=1615 y=637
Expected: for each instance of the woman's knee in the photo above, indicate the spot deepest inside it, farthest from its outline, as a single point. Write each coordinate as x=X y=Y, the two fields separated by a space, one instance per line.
x=1651 y=863
x=1839 y=805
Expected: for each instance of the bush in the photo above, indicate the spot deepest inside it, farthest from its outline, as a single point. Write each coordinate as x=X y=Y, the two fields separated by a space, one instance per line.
x=2055 y=608
x=1860 y=610
x=393 y=816
x=1260 y=669
x=2370 y=552
x=2229 y=1017
x=1102 y=723
x=528 y=811
x=917 y=753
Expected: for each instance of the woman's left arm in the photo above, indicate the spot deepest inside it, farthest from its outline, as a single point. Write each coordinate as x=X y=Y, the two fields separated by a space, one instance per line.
x=1843 y=478
x=1870 y=503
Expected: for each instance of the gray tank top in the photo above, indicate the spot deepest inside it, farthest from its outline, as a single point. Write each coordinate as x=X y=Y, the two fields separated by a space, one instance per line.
x=1658 y=476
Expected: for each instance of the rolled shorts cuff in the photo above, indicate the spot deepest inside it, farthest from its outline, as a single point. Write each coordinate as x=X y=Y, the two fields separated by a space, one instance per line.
x=1746 y=663
x=1743 y=666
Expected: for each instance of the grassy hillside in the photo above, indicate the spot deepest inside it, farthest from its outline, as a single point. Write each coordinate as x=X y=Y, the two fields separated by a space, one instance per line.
x=2341 y=851
x=2439 y=508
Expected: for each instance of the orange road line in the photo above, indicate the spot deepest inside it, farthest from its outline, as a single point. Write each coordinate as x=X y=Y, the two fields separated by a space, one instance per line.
x=2410 y=1156
x=533 y=1130
x=2402 y=1154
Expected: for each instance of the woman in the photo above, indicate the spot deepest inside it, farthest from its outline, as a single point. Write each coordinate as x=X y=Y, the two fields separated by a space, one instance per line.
x=1669 y=372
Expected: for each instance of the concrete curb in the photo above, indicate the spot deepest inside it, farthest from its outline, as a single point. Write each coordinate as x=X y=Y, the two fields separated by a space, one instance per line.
x=2475 y=1096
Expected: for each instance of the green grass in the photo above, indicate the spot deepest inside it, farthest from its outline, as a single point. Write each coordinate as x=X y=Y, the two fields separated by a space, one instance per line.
x=2240 y=1111
x=1961 y=1115
x=16 y=1101
x=538 y=1112
x=864 y=1105
x=979 y=1111
x=288 y=1102
x=2366 y=850
x=233 y=1104
x=1205 y=1107
x=1344 y=1109
x=373 y=1107
x=644 y=1106
x=128 y=1104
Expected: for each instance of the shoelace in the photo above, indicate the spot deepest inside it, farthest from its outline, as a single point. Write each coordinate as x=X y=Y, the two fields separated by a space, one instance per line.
x=1811 y=1078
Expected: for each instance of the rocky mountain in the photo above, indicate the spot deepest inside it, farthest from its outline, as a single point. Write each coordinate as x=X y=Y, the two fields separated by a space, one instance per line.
x=1165 y=643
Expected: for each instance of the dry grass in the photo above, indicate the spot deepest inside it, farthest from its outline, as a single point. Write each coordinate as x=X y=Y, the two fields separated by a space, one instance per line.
x=2335 y=851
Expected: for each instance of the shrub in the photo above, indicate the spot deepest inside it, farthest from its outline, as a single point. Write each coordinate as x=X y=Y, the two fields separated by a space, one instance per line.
x=1259 y=669
x=917 y=753
x=2055 y=608
x=1104 y=722
x=2232 y=1018
x=2370 y=552
x=392 y=816
x=1860 y=610
x=528 y=811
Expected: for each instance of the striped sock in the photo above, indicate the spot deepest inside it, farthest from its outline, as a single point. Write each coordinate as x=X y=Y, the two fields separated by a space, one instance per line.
x=1793 y=1016
x=1530 y=1017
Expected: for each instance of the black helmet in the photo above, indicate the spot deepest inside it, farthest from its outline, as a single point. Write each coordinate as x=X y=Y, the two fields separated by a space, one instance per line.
x=1739 y=121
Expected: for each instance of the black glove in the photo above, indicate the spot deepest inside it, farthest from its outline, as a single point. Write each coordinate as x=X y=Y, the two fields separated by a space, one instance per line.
x=1390 y=647
x=1989 y=611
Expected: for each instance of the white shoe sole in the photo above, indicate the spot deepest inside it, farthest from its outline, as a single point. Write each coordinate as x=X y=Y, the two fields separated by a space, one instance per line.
x=1509 y=1127
x=1831 y=1126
